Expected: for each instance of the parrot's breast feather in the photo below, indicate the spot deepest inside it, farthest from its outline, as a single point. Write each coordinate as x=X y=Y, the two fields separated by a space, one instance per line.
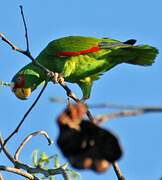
x=72 y=46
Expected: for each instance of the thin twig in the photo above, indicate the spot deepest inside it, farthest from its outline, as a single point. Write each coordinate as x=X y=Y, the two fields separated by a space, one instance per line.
x=140 y=111
x=91 y=118
x=64 y=172
x=2 y=83
x=26 y=53
x=117 y=171
x=6 y=151
x=26 y=30
x=26 y=114
x=69 y=92
x=1 y=177
x=59 y=100
x=27 y=139
x=113 y=106
x=12 y=45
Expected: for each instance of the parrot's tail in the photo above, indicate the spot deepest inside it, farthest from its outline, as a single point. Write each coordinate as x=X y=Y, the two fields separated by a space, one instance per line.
x=144 y=55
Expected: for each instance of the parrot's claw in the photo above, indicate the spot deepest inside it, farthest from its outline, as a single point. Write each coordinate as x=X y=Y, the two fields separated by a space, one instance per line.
x=57 y=78
x=61 y=79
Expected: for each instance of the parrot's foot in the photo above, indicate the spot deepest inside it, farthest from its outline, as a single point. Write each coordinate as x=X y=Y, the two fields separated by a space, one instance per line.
x=57 y=78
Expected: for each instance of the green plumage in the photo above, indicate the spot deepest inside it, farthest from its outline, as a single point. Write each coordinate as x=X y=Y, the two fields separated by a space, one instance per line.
x=84 y=68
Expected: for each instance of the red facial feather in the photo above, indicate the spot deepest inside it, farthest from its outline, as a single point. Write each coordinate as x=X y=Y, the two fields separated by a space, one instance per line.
x=63 y=53
x=19 y=83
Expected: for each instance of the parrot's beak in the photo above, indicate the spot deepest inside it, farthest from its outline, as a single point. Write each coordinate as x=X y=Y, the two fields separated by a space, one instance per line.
x=21 y=93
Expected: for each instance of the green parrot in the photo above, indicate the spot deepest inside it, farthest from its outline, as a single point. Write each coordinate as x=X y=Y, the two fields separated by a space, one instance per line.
x=80 y=60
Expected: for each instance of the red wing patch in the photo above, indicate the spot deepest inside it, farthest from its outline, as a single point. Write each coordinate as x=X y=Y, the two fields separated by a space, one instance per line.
x=63 y=53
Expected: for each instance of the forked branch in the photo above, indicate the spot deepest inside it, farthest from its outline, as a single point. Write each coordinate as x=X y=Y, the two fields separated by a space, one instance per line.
x=28 y=170
x=27 y=139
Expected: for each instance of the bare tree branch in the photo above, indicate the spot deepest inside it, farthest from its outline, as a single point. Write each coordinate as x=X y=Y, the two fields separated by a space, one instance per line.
x=10 y=169
x=46 y=173
x=64 y=172
x=19 y=172
x=27 y=139
x=68 y=91
x=19 y=165
x=25 y=53
x=113 y=106
x=117 y=171
x=10 y=43
x=6 y=151
x=26 y=30
x=136 y=112
x=1 y=177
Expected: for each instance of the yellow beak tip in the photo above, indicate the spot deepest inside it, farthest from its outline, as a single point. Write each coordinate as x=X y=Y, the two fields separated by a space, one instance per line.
x=22 y=93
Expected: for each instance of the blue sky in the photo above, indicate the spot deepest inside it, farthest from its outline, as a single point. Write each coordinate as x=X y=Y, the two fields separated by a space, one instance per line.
x=125 y=84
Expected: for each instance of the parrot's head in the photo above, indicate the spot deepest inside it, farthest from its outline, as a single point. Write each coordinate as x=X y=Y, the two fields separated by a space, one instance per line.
x=18 y=87
x=24 y=82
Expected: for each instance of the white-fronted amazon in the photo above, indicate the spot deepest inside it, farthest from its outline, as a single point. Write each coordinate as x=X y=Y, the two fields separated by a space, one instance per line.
x=80 y=60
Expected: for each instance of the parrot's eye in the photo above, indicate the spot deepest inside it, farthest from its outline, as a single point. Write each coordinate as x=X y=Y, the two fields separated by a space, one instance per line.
x=19 y=79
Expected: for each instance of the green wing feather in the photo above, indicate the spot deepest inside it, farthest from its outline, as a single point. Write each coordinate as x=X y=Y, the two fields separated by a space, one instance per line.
x=114 y=50
x=72 y=44
x=144 y=55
